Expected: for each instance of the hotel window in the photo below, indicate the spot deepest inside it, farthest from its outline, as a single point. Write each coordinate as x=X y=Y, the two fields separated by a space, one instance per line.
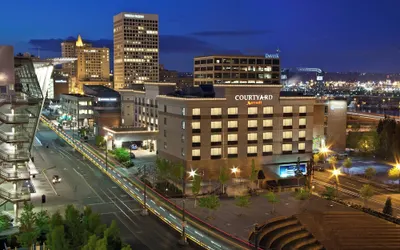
x=232 y=111
x=232 y=137
x=302 y=122
x=215 y=151
x=302 y=146
x=183 y=124
x=302 y=134
x=216 y=125
x=287 y=109
x=196 y=139
x=196 y=111
x=216 y=138
x=267 y=123
x=143 y=109
x=252 y=110
x=252 y=123
x=232 y=124
x=287 y=122
x=268 y=110
x=195 y=125
x=252 y=150
x=216 y=111
x=286 y=147
x=232 y=150
x=287 y=135
x=267 y=148
x=182 y=138
x=196 y=152
x=252 y=137
x=267 y=136
x=302 y=109
x=183 y=111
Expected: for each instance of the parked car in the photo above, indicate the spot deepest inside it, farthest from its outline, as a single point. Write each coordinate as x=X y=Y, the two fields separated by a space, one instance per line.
x=56 y=179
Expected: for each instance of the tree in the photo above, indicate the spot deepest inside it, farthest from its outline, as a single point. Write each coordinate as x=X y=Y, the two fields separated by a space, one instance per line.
x=162 y=168
x=388 y=207
x=122 y=154
x=394 y=173
x=74 y=229
x=28 y=232
x=210 y=202
x=329 y=193
x=127 y=247
x=5 y=222
x=356 y=127
x=177 y=172
x=56 y=239
x=100 y=141
x=42 y=223
x=316 y=158
x=347 y=164
x=366 y=192
x=302 y=194
x=55 y=221
x=223 y=177
x=254 y=172
x=196 y=187
x=112 y=236
x=370 y=172
x=242 y=201
x=273 y=199
x=91 y=244
x=101 y=244
x=333 y=161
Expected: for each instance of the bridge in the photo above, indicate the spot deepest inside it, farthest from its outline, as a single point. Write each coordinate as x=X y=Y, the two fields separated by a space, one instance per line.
x=370 y=116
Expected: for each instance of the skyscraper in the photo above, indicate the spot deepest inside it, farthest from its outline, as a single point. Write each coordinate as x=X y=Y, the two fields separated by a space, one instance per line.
x=136 y=49
x=68 y=50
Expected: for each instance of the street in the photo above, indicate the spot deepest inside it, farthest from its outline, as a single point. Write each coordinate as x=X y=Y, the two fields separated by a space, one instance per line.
x=83 y=184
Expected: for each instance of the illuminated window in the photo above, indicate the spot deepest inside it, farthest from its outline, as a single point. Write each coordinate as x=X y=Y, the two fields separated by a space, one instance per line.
x=252 y=149
x=302 y=134
x=183 y=111
x=216 y=111
x=183 y=124
x=216 y=138
x=287 y=122
x=302 y=122
x=302 y=146
x=195 y=152
x=216 y=151
x=287 y=109
x=232 y=137
x=267 y=148
x=267 y=123
x=252 y=110
x=302 y=109
x=252 y=137
x=232 y=111
x=287 y=135
x=216 y=125
x=196 y=111
x=268 y=110
x=232 y=150
x=267 y=136
x=195 y=125
x=252 y=123
x=196 y=139
x=286 y=147
x=232 y=124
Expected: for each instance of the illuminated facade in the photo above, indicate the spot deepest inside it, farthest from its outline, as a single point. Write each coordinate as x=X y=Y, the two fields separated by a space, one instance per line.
x=136 y=49
x=68 y=50
x=237 y=69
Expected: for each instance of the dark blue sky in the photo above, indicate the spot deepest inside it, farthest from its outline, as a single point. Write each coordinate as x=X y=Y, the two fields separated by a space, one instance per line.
x=335 y=35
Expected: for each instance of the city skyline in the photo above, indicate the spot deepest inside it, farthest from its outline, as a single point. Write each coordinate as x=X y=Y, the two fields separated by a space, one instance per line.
x=329 y=35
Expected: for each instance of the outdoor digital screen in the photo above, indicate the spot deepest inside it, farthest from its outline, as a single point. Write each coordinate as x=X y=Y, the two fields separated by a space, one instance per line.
x=288 y=170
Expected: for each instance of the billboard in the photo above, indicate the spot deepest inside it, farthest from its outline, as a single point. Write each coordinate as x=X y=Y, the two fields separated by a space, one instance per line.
x=288 y=170
x=320 y=78
x=6 y=65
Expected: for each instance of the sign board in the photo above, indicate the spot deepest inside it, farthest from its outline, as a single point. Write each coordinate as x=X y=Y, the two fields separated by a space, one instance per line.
x=288 y=170
x=272 y=56
x=100 y=99
x=253 y=97
x=134 y=16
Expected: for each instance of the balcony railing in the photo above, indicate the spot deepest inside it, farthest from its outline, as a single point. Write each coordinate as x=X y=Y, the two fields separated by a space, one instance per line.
x=14 y=196
x=16 y=175
x=17 y=156
x=15 y=99
x=14 y=118
x=13 y=137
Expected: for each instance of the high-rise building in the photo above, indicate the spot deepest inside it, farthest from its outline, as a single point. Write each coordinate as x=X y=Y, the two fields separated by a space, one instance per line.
x=237 y=69
x=136 y=49
x=68 y=50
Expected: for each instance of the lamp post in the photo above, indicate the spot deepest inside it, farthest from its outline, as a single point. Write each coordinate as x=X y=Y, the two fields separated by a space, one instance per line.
x=336 y=173
x=144 y=211
x=235 y=171
x=106 y=139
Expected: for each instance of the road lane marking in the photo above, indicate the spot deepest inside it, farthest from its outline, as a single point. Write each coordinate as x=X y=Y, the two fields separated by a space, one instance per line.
x=94 y=191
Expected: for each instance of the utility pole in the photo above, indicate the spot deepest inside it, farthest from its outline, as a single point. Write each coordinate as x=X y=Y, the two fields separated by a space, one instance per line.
x=183 y=240
x=144 y=211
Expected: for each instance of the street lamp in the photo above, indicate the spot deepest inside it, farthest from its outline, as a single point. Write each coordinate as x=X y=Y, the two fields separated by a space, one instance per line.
x=192 y=173
x=106 y=139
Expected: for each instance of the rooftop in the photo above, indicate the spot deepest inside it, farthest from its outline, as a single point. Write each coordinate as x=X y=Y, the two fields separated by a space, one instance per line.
x=75 y=95
x=234 y=56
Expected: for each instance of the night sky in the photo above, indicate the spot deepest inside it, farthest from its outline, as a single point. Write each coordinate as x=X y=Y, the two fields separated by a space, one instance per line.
x=335 y=35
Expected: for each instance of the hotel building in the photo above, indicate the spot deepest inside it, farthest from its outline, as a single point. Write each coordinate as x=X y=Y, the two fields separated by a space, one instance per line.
x=136 y=49
x=237 y=69
x=208 y=126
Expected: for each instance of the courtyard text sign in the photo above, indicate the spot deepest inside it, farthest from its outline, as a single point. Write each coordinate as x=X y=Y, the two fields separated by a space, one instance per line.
x=253 y=97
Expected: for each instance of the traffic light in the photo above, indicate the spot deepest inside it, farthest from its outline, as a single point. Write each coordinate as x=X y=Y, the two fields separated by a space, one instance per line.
x=43 y=199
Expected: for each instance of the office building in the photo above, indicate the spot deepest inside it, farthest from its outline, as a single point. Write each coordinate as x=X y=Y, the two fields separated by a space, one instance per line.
x=136 y=49
x=68 y=50
x=237 y=69
x=182 y=79
x=210 y=126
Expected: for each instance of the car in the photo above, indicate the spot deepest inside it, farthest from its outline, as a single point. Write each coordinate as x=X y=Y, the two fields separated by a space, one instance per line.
x=319 y=168
x=134 y=147
x=56 y=179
